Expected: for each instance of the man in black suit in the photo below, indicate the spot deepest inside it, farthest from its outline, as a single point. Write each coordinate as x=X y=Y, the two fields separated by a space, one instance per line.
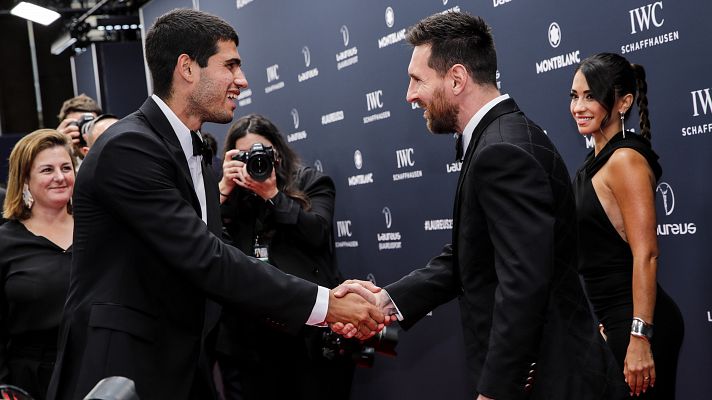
x=527 y=326
x=148 y=267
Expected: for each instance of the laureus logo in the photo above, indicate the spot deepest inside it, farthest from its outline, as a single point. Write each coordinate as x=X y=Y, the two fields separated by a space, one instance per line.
x=444 y=2
x=358 y=159
x=307 y=56
x=387 y=215
x=390 y=17
x=554 y=35
x=295 y=118
x=668 y=197
x=345 y=34
x=371 y=278
x=318 y=166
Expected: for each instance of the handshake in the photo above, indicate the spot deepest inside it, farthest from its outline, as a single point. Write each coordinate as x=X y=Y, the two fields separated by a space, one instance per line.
x=359 y=309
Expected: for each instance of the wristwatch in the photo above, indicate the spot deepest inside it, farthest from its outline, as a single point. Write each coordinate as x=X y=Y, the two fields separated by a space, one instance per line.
x=641 y=329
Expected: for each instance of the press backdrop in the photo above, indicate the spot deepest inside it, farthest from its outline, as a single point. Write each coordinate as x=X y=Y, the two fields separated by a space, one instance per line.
x=332 y=75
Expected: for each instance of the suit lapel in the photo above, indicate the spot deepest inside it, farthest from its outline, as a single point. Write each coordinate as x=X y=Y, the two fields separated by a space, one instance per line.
x=504 y=107
x=160 y=125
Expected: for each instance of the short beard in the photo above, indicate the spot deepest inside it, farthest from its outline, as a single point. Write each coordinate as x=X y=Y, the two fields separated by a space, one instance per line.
x=441 y=116
x=199 y=103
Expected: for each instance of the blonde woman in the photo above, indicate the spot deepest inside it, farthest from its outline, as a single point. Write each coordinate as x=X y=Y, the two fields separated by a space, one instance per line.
x=35 y=257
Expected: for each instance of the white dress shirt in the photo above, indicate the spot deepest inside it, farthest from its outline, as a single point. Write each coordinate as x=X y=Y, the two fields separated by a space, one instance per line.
x=475 y=120
x=194 y=162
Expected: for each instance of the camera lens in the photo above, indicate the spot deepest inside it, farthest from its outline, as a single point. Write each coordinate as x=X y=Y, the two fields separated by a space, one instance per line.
x=259 y=166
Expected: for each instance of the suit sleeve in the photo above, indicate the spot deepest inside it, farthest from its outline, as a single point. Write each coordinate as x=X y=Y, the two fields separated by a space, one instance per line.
x=136 y=179
x=419 y=292
x=514 y=192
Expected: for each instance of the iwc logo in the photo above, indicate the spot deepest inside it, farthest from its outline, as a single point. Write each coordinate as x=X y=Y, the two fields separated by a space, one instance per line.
x=645 y=18
x=343 y=230
x=701 y=108
x=374 y=102
x=404 y=159
x=273 y=76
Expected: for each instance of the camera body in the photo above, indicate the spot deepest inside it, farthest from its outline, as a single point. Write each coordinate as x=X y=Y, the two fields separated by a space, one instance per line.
x=259 y=161
x=83 y=123
x=362 y=353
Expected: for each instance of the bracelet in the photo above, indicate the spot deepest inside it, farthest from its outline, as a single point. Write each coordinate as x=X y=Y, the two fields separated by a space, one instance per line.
x=223 y=194
x=641 y=329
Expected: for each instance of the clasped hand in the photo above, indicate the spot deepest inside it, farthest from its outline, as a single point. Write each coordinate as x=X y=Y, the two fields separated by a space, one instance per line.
x=359 y=309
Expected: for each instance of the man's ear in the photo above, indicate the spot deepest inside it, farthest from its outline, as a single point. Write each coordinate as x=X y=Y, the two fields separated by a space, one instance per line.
x=186 y=68
x=84 y=150
x=459 y=77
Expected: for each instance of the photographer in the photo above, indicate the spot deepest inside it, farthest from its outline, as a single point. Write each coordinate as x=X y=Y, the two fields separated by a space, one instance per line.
x=76 y=112
x=280 y=211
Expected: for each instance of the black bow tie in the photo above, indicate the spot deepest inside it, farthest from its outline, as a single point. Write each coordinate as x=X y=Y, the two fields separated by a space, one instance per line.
x=459 y=151
x=201 y=148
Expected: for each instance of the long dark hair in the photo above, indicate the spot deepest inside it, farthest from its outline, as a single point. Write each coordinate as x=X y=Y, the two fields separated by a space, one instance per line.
x=287 y=163
x=611 y=76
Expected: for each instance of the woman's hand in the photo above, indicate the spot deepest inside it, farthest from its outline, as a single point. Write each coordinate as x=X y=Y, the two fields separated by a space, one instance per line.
x=266 y=189
x=232 y=172
x=639 y=367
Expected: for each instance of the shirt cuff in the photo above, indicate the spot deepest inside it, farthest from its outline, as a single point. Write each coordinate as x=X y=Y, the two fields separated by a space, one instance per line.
x=321 y=306
x=395 y=309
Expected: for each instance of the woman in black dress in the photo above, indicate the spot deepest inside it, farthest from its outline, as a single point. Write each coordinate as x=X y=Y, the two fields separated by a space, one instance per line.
x=618 y=249
x=285 y=217
x=35 y=257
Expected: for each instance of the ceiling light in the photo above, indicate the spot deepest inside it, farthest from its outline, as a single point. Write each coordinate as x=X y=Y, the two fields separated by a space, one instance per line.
x=34 y=13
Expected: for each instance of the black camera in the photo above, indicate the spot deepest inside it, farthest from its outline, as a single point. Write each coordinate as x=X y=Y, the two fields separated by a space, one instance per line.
x=362 y=353
x=83 y=123
x=259 y=161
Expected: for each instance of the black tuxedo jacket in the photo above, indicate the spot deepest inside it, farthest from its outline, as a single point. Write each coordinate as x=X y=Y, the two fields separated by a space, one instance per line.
x=527 y=326
x=146 y=269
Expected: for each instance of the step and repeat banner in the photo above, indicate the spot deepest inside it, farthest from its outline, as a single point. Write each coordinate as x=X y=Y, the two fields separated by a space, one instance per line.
x=333 y=76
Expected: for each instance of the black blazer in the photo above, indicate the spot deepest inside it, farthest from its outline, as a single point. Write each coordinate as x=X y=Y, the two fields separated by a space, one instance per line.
x=145 y=268
x=512 y=265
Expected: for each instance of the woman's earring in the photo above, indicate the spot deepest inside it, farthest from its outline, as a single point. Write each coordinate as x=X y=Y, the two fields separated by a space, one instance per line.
x=27 y=196
x=622 y=114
